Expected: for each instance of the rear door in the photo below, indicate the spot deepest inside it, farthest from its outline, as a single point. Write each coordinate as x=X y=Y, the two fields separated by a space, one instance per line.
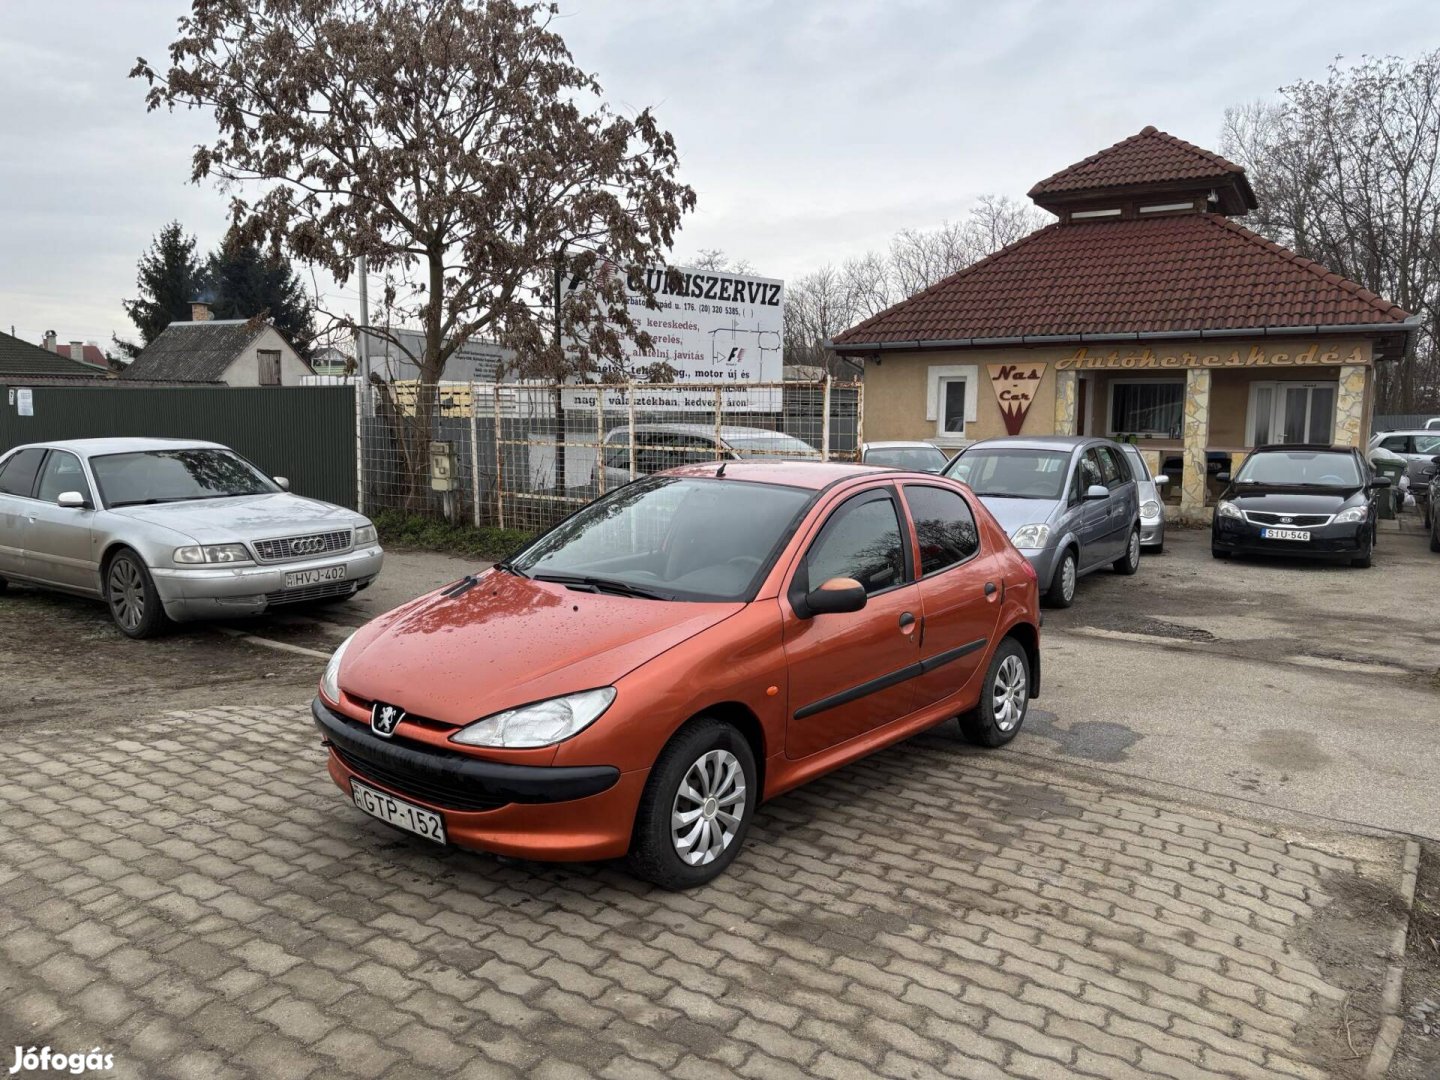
x=853 y=672
x=17 y=489
x=960 y=592
x=1121 y=506
x=58 y=543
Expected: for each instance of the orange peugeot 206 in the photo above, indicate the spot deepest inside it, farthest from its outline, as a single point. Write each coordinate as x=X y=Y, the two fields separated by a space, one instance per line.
x=640 y=678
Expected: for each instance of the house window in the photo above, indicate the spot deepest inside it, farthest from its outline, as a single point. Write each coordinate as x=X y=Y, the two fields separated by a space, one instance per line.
x=1147 y=407
x=1291 y=412
x=950 y=400
x=269 y=367
x=952 y=407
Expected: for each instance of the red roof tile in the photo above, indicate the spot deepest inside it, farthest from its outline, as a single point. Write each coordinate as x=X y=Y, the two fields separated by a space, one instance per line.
x=1155 y=275
x=92 y=354
x=1148 y=157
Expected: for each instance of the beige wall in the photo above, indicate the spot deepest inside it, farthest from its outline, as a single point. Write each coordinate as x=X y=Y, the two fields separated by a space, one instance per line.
x=245 y=371
x=896 y=385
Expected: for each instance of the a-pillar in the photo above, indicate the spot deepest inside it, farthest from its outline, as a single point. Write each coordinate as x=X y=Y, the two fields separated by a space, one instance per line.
x=1197 y=437
x=1350 y=404
x=1065 y=391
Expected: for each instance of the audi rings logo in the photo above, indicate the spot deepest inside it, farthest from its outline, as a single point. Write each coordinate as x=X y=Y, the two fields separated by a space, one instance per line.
x=307 y=545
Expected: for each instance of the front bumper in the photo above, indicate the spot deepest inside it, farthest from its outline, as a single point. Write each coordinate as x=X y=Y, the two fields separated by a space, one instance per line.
x=1326 y=541
x=1043 y=560
x=560 y=813
x=1152 y=533
x=218 y=592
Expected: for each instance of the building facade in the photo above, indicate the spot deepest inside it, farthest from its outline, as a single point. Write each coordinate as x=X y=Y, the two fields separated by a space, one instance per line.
x=1145 y=312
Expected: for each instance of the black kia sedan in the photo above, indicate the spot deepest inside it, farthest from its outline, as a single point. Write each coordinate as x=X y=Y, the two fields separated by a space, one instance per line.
x=1313 y=501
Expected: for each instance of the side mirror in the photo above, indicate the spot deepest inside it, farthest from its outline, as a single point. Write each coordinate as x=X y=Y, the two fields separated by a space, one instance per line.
x=1380 y=481
x=1096 y=491
x=282 y=482
x=1162 y=480
x=1223 y=477
x=1435 y=460
x=72 y=500
x=836 y=596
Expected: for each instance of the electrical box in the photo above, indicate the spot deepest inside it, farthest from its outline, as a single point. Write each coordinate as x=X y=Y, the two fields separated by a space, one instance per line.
x=442 y=466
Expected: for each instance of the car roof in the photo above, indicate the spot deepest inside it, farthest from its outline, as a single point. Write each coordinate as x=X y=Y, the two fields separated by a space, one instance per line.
x=123 y=445
x=1307 y=448
x=901 y=444
x=727 y=431
x=1044 y=442
x=1404 y=431
x=802 y=474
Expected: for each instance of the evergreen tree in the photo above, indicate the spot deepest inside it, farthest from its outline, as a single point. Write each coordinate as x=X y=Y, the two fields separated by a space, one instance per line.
x=245 y=282
x=167 y=278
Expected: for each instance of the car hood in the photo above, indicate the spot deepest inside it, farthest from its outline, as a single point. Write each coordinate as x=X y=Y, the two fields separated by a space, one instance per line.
x=1291 y=500
x=1012 y=513
x=509 y=641
x=246 y=517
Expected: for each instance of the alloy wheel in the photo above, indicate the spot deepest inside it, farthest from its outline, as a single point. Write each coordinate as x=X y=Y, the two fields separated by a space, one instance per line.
x=1132 y=553
x=1067 y=579
x=1009 y=693
x=708 y=808
x=127 y=593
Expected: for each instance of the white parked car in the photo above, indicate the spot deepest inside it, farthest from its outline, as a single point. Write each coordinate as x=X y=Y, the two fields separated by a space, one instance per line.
x=666 y=446
x=897 y=454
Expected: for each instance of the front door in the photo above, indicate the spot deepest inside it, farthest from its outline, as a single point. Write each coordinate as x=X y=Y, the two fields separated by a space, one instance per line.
x=1094 y=514
x=852 y=672
x=960 y=592
x=58 y=542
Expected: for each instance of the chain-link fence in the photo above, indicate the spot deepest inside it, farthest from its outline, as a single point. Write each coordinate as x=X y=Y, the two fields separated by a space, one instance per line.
x=525 y=455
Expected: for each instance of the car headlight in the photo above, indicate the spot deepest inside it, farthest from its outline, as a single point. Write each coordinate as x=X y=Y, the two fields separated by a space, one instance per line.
x=539 y=724
x=1352 y=515
x=1226 y=508
x=366 y=535
x=1031 y=536
x=330 y=681
x=1150 y=509
x=212 y=553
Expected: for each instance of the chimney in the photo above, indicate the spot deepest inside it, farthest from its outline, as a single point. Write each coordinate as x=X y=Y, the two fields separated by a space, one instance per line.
x=199 y=311
x=50 y=340
x=77 y=350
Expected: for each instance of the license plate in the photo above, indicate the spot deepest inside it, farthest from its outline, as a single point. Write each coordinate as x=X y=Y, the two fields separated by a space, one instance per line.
x=298 y=579
x=1284 y=534
x=398 y=812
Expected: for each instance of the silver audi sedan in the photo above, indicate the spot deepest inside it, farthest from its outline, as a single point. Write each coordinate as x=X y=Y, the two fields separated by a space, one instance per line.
x=171 y=530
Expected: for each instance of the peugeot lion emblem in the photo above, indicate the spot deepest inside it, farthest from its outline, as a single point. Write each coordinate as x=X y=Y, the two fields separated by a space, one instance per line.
x=385 y=718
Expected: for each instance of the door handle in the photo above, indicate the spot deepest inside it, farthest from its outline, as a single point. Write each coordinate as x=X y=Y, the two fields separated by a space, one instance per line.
x=989 y=588
x=906 y=619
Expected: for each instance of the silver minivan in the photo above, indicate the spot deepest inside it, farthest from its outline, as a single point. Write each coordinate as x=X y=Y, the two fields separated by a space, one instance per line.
x=1069 y=503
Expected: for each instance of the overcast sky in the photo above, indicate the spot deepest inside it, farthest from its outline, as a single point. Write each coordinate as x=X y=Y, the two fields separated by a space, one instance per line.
x=811 y=130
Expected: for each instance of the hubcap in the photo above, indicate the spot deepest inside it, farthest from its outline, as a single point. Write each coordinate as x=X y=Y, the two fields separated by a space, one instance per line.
x=709 y=808
x=1009 y=694
x=127 y=593
x=1067 y=578
x=1134 y=550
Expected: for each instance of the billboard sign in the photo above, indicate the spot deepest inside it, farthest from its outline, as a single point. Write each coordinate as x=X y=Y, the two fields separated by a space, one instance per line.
x=712 y=327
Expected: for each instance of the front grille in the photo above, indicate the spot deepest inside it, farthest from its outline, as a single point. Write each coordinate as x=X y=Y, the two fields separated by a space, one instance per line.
x=1298 y=521
x=324 y=591
x=311 y=546
x=436 y=791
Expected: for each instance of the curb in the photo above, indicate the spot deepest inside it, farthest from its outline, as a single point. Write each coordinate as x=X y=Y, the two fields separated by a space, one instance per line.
x=1391 y=1026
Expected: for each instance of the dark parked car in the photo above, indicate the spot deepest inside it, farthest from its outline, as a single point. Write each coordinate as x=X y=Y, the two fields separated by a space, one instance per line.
x=1311 y=501
x=1432 y=504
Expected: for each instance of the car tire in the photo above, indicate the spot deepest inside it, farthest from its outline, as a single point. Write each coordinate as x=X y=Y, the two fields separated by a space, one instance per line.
x=130 y=594
x=1435 y=534
x=1365 y=561
x=705 y=757
x=1061 y=593
x=1218 y=553
x=1156 y=549
x=1128 y=563
x=1004 y=698
x=4 y=584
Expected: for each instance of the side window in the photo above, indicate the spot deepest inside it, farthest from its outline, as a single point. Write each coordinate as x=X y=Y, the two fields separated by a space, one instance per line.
x=61 y=473
x=862 y=540
x=17 y=476
x=1400 y=444
x=1089 y=471
x=944 y=525
x=1110 y=473
x=617 y=449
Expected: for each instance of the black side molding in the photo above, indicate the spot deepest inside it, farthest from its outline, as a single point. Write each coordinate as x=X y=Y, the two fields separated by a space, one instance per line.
x=884 y=682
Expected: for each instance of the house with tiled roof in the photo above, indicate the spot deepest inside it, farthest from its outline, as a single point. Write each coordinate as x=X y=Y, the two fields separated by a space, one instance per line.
x=21 y=361
x=225 y=352
x=1144 y=312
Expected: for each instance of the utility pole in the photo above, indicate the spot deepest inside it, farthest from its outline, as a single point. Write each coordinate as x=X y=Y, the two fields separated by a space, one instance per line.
x=363 y=340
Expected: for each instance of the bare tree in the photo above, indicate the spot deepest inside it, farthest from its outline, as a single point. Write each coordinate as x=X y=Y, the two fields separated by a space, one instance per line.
x=1347 y=172
x=716 y=259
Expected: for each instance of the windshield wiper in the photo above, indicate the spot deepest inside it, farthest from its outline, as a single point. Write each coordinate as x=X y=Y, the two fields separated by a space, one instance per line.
x=599 y=585
x=150 y=502
x=1010 y=495
x=505 y=566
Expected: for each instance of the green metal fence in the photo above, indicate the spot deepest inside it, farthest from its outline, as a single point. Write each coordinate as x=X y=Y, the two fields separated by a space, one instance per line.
x=304 y=433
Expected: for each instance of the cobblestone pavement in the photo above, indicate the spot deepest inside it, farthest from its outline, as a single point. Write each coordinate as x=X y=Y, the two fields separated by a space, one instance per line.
x=191 y=894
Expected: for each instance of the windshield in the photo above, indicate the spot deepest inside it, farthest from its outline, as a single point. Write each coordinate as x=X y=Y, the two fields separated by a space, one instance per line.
x=1427 y=444
x=162 y=476
x=1012 y=472
x=670 y=538
x=919 y=458
x=1311 y=467
x=768 y=444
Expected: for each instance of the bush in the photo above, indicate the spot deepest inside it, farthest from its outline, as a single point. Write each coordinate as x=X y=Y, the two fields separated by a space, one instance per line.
x=401 y=530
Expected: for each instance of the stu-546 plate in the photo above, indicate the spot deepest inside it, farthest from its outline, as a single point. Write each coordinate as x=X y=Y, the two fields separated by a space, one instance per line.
x=1284 y=534
x=398 y=812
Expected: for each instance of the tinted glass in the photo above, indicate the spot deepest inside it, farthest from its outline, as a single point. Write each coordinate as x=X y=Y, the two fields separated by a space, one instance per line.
x=1138 y=468
x=1319 y=468
x=17 y=476
x=1110 y=471
x=61 y=473
x=681 y=538
x=955 y=406
x=1012 y=472
x=158 y=476
x=1089 y=472
x=1398 y=443
x=944 y=525
x=919 y=458
x=861 y=541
